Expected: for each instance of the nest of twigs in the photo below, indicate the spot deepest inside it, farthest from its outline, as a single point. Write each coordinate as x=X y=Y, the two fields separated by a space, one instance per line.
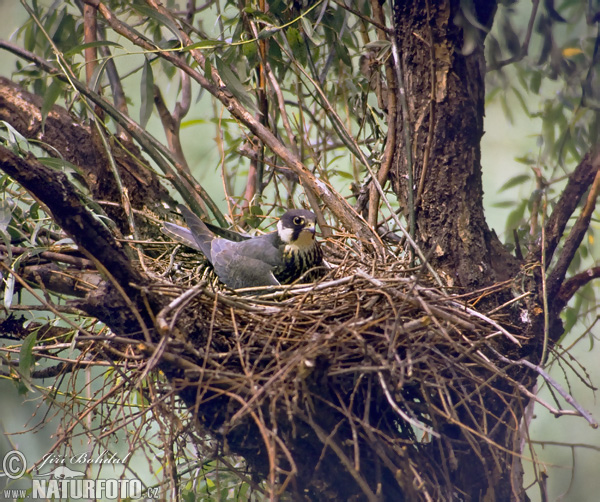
x=376 y=359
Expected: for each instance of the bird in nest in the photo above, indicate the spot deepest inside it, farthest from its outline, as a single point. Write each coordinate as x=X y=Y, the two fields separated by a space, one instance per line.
x=279 y=257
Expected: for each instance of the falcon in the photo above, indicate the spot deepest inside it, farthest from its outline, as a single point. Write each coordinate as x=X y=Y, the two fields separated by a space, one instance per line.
x=280 y=257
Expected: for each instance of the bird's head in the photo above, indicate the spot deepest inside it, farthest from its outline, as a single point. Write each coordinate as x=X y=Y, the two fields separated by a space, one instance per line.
x=297 y=228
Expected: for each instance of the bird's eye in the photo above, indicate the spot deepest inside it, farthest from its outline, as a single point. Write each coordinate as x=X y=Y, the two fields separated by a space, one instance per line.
x=298 y=220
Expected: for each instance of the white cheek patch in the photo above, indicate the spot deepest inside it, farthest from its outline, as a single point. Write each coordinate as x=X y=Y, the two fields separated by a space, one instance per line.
x=285 y=234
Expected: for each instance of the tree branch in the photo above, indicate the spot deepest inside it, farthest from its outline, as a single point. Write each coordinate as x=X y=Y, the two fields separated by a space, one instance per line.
x=56 y=192
x=578 y=183
x=572 y=285
x=557 y=275
x=336 y=203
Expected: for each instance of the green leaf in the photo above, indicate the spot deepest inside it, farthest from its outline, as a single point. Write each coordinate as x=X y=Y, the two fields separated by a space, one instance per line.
x=522 y=101
x=50 y=97
x=297 y=45
x=252 y=217
x=570 y=315
x=208 y=69
x=160 y=19
x=250 y=51
x=9 y=290
x=6 y=212
x=204 y=44
x=26 y=358
x=514 y=181
x=535 y=82
x=506 y=108
x=59 y=164
x=15 y=140
x=515 y=218
x=344 y=174
x=234 y=85
x=188 y=497
x=510 y=37
x=343 y=53
x=504 y=203
x=147 y=93
x=98 y=43
x=97 y=75
x=267 y=33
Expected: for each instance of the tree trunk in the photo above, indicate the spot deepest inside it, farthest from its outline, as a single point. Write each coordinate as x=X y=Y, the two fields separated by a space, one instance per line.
x=442 y=68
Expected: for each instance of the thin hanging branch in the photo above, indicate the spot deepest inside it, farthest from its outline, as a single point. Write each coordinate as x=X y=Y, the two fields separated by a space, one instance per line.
x=337 y=204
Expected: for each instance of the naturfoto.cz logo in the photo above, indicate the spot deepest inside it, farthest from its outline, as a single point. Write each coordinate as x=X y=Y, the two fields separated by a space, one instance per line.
x=75 y=489
x=62 y=482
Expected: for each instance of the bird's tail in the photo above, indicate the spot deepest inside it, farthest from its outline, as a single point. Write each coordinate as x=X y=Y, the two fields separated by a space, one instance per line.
x=201 y=234
x=180 y=234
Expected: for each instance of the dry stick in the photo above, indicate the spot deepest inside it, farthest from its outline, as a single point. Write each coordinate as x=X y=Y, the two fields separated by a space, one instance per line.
x=509 y=302
x=388 y=153
x=406 y=125
x=545 y=286
x=42 y=349
x=397 y=409
x=554 y=384
x=163 y=326
x=474 y=313
x=171 y=122
x=432 y=102
x=51 y=256
x=265 y=435
x=323 y=437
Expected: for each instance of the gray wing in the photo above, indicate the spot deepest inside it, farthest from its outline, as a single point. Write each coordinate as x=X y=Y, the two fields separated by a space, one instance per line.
x=246 y=264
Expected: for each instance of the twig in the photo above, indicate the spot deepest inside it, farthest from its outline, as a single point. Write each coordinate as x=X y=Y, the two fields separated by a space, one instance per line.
x=397 y=409
x=509 y=302
x=322 y=435
x=555 y=385
x=406 y=126
x=525 y=47
x=161 y=322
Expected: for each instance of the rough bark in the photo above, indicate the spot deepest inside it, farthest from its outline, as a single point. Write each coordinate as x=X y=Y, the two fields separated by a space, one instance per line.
x=445 y=91
x=444 y=88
